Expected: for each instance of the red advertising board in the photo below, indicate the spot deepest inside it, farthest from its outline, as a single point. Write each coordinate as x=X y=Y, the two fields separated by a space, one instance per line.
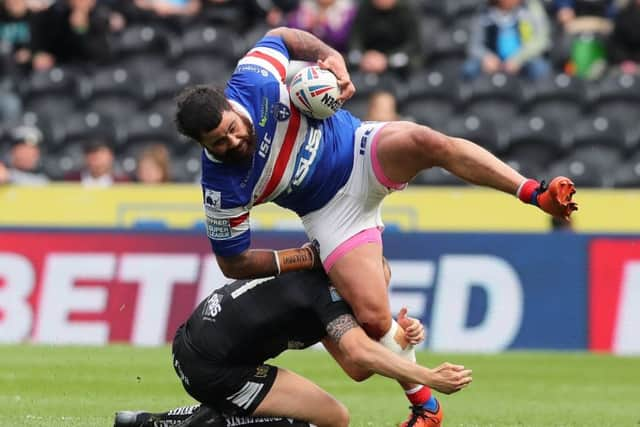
x=614 y=295
x=95 y=288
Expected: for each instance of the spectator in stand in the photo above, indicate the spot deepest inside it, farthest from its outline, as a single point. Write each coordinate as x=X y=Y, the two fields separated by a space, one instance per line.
x=382 y=107
x=171 y=7
x=99 y=168
x=153 y=165
x=580 y=16
x=23 y=167
x=329 y=20
x=585 y=25
x=385 y=38
x=15 y=30
x=511 y=36
x=71 y=31
x=623 y=47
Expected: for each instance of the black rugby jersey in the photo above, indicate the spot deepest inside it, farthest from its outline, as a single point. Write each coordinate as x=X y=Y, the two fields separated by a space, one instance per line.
x=250 y=321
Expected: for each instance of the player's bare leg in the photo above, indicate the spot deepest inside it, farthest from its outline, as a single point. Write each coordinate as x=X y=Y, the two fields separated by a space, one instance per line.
x=406 y=148
x=360 y=279
x=296 y=397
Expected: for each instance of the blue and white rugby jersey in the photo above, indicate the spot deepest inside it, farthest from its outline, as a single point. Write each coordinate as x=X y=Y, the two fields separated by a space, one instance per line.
x=300 y=163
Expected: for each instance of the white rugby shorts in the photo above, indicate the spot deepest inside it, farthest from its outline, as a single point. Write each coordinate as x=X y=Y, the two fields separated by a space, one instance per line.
x=352 y=217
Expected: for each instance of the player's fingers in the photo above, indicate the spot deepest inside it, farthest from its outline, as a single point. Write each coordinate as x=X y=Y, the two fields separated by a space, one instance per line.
x=403 y=312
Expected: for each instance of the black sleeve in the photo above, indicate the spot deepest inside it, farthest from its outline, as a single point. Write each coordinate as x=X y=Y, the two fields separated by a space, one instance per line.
x=330 y=306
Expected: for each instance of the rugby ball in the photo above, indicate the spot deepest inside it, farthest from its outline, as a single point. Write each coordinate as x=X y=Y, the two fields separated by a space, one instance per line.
x=314 y=91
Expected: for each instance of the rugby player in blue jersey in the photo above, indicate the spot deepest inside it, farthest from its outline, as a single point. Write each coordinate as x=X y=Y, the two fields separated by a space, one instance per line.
x=334 y=173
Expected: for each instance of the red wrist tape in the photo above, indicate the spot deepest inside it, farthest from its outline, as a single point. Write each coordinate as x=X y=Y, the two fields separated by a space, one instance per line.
x=527 y=191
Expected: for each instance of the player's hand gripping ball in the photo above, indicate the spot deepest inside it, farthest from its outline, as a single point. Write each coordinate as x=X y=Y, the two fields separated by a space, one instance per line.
x=314 y=91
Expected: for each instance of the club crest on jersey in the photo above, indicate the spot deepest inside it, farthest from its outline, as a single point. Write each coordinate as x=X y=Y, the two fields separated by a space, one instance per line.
x=281 y=112
x=212 y=198
x=335 y=296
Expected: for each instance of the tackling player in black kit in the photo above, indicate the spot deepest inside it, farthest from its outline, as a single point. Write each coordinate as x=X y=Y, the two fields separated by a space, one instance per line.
x=219 y=355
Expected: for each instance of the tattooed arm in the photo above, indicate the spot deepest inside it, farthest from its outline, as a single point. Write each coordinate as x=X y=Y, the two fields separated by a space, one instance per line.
x=360 y=356
x=304 y=46
x=335 y=332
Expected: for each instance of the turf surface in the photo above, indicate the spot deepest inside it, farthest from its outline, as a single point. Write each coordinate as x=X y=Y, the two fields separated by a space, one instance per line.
x=78 y=386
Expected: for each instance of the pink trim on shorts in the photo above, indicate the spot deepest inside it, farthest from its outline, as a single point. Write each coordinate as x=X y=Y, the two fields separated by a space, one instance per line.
x=377 y=168
x=370 y=235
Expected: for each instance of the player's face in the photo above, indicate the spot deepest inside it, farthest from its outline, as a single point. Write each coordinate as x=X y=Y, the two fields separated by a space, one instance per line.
x=233 y=141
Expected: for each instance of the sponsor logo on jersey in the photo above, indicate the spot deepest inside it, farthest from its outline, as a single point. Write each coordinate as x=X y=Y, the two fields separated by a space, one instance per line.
x=212 y=198
x=262 y=371
x=281 y=112
x=253 y=69
x=265 y=144
x=218 y=228
x=307 y=157
x=295 y=345
x=212 y=307
x=181 y=374
x=264 y=112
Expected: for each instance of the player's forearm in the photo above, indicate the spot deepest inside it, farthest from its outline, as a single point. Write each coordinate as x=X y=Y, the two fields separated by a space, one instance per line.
x=256 y=263
x=251 y=264
x=372 y=356
x=476 y=165
x=304 y=46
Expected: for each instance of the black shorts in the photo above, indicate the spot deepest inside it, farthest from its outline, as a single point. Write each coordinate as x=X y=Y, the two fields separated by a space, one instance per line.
x=235 y=390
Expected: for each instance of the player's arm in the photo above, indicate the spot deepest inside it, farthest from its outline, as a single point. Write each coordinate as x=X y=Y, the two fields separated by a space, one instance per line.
x=304 y=46
x=255 y=263
x=369 y=356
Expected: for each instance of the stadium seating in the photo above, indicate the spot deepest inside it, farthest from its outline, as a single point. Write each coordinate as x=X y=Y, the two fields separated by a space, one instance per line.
x=431 y=97
x=482 y=131
x=560 y=124
x=495 y=97
x=115 y=92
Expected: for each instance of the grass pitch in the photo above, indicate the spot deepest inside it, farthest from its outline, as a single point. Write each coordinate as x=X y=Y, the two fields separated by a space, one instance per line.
x=83 y=387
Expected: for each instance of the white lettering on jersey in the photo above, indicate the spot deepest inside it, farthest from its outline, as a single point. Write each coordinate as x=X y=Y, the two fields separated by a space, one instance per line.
x=212 y=307
x=264 y=146
x=311 y=149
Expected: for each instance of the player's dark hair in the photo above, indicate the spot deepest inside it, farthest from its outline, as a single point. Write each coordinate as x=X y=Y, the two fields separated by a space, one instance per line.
x=200 y=110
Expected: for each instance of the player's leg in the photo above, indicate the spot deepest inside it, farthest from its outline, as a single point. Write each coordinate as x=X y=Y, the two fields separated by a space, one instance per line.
x=359 y=277
x=296 y=397
x=404 y=148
